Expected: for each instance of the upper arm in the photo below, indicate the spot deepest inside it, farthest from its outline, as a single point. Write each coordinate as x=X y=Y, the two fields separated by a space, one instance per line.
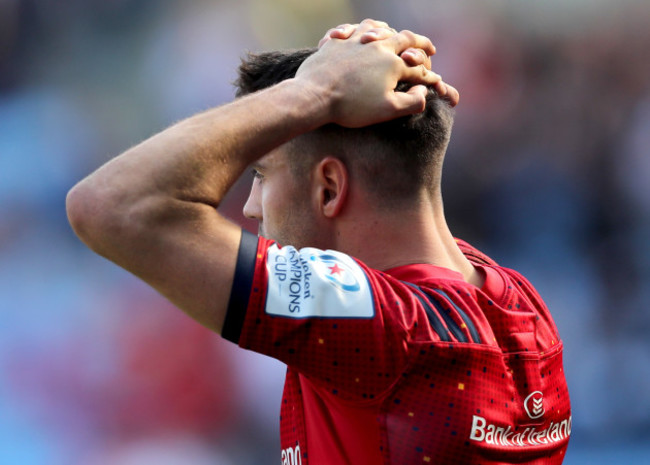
x=192 y=263
x=185 y=250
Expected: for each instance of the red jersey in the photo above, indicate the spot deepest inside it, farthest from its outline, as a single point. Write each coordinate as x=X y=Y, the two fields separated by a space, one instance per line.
x=407 y=366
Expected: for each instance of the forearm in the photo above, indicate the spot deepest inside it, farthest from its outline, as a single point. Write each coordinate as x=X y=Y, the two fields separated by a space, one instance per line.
x=199 y=159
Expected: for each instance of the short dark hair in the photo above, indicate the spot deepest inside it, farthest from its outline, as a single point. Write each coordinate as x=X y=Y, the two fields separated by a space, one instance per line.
x=393 y=160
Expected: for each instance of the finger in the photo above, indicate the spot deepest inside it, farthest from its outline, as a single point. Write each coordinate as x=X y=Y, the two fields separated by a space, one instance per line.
x=378 y=33
x=326 y=38
x=420 y=75
x=372 y=23
x=447 y=92
x=406 y=39
x=452 y=96
x=411 y=102
x=342 y=31
x=441 y=88
x=415 y=57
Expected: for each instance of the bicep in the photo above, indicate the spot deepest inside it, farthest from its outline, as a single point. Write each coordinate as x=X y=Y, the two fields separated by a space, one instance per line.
x=186 y=251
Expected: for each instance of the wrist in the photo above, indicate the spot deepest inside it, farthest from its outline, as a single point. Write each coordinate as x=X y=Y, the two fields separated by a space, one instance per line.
x=315 y=101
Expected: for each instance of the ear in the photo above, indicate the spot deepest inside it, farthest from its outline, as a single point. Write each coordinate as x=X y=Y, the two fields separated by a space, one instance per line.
x=331 y=180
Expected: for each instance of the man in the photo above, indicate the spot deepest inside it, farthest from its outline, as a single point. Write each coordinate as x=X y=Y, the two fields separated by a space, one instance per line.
x=419 y=349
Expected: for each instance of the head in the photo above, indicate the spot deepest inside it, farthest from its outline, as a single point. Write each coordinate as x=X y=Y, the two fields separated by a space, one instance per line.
x=395 y=163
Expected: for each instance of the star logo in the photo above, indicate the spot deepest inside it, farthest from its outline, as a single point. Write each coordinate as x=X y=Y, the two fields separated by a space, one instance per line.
x=336 y=269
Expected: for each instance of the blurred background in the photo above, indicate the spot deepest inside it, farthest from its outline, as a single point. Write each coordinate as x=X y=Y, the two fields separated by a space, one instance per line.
x=548 y=172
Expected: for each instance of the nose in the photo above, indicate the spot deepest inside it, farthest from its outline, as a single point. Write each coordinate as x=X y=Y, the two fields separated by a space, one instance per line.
x=253 y=206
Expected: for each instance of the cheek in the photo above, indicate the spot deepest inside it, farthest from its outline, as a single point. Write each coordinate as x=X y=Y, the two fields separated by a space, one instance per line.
x=287 y=217
x=269 y=202
x=274 y=206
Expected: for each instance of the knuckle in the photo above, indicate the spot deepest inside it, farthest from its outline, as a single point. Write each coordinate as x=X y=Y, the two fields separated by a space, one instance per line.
x=382 y=32
x=340 y=28
x=375 y=23
x=409 y=35
x=412 y=56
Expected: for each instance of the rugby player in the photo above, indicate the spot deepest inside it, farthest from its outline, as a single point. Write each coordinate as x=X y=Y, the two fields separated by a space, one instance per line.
x=403 y=344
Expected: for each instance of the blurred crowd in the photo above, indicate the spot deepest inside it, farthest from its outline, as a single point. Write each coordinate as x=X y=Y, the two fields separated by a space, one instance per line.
x=547 y=172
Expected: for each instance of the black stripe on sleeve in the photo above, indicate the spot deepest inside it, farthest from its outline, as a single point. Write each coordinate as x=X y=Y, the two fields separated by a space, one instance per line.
x=470 y=324
x=241 y=287
x=434 y=321
x=451 y=324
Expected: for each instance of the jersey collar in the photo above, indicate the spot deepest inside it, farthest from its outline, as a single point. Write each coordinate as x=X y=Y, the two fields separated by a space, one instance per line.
x=421 y=272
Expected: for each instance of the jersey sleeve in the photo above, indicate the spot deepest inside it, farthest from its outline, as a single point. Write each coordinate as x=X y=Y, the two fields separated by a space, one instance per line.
x=324 y=314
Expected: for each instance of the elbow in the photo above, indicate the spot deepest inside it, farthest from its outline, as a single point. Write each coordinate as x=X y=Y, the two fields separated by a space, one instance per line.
x=111 y=219
x=93 y=215
x=81 y=208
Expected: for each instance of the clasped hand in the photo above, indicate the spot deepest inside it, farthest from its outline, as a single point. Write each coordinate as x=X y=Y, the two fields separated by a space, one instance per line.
x=357 y=68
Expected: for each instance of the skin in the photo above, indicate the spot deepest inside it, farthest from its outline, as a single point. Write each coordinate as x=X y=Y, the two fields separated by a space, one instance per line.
x=279 y=198
x=152 y=210
x=330 y=212
x=412 y=56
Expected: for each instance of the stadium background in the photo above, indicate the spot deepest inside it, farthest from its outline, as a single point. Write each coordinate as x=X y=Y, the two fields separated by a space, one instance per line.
x=548 y=171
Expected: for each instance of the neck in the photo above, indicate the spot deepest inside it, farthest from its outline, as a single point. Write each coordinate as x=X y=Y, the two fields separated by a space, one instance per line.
x=388 y=239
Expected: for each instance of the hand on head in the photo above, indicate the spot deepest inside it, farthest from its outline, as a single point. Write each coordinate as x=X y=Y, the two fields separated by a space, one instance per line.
x=412 y=56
